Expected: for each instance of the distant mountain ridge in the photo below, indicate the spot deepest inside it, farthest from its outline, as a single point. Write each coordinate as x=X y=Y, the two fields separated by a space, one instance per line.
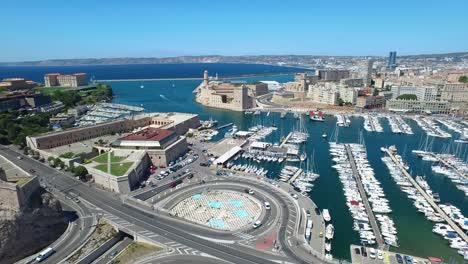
x=255 y=59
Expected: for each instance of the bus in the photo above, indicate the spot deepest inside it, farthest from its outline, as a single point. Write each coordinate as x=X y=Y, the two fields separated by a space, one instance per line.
x=45 y=254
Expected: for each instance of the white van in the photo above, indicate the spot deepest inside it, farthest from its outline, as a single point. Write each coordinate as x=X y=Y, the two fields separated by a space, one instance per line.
x=267 y=205
x=44 y=254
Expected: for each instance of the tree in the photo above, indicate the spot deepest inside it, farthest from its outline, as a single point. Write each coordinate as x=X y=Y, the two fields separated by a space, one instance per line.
x=463 y=79
x=407 y=97
x=375 y=92
x=80 y=171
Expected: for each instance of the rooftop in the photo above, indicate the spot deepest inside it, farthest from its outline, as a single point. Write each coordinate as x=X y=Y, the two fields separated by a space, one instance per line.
x=149 y=134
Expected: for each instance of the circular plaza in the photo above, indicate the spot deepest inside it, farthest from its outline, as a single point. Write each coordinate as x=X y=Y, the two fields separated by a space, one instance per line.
x=219 y=209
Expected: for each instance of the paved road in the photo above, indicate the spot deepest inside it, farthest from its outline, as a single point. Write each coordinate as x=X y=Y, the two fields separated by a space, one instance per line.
x=81 y=225
x=112 y=253
x=177 y=259
x=111 y=203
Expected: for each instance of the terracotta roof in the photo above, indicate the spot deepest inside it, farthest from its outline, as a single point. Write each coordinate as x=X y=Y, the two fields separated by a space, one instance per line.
x=149 y=134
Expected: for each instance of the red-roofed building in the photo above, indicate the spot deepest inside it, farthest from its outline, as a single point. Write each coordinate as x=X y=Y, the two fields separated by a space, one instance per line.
x=162 y=145
x=70 y=80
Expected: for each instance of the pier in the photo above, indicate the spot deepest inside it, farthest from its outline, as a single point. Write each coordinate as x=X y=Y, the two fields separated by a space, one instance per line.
x=294 y=177
x=226 y=125
x=370 y=213
x=428 y=198
x=450 y=166
x=286 y=139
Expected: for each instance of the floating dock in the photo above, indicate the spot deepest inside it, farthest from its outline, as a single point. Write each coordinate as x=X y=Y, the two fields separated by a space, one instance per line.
x=286 y=139
x=428 y=198
x=294 y=177
x=370 y=213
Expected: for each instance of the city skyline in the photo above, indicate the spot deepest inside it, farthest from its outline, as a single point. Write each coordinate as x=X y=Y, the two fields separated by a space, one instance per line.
x=46 y=31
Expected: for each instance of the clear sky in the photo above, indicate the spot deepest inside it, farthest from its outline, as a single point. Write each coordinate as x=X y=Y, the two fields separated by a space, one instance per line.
x=53 y=29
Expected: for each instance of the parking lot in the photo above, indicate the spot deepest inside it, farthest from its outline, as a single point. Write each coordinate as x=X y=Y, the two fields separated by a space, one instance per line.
x=371 y=256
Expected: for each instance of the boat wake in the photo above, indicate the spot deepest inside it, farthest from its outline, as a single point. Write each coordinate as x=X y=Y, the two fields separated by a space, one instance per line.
x=164 y=97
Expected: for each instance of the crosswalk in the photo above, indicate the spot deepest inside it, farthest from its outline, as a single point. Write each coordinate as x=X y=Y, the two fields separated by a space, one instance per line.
x=177 y=247
x=243 y=235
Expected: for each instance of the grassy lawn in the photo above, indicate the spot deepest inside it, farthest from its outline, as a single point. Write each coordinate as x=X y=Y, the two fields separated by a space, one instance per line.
x=117 y=169
x=51 y=90
x=134 y=251
x=103 y=158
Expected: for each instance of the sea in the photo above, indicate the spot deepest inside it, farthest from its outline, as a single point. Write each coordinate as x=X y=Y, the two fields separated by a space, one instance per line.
x=415 y=234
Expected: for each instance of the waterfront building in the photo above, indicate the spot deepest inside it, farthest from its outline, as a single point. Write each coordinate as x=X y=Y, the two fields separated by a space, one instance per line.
x=334 y=75
x=161 y=145
x=178 y=122
x=423 y=93
x=370 y=101
x=392 y=60
x=235 y=96
x=67 y=80
x=416 y=106
x=12 y=84
x=330 y=93
x=324 y=93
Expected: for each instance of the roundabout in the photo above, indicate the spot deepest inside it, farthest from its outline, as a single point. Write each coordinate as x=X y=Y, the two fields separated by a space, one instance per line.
x=219 y=209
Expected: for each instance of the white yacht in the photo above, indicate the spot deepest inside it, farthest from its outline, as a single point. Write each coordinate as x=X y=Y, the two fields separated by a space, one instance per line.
x=329 y=231
x=326 y=215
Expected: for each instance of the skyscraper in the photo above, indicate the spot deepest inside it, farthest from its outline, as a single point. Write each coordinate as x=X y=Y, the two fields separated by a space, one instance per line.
x=368 y=79
x=392 y=60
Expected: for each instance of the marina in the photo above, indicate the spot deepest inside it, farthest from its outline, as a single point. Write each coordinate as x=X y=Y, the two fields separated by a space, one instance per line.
x=427 y=204
x=325 y=187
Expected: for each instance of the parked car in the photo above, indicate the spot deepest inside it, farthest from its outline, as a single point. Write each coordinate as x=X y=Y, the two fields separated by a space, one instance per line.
x=399 y=259
x=357 y=251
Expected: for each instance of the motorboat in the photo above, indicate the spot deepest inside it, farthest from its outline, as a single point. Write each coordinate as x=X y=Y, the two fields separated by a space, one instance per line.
x=326 y=215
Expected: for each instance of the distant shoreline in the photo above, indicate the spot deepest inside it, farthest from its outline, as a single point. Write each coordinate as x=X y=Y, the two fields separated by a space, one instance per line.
x=197 y=78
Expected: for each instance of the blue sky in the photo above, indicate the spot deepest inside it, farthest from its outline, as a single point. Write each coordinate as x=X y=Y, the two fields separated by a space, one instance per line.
x=36 y=30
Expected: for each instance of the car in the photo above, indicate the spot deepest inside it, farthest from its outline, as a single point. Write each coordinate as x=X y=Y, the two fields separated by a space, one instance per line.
x=297 y=189
x=251 y=192
x=76 y=200
x=363 y=252
x=32 y=171
x=190 y=176
x=408 y=260
x=19 y=157
x=257 y=224
x=308 y=213
x=294 y=196
x=357 y=251
x=267 y=205
x=372 y=253
x=379 y=254
x=187 y=171
x=317 y=211
x=399 y=259
x=321 y=234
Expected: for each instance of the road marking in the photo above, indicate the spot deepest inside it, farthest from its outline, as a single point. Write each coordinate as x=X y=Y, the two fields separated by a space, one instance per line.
x=243 y=235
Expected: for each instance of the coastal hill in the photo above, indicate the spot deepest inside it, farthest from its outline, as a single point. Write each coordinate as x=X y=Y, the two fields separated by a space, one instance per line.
x=257 y=59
